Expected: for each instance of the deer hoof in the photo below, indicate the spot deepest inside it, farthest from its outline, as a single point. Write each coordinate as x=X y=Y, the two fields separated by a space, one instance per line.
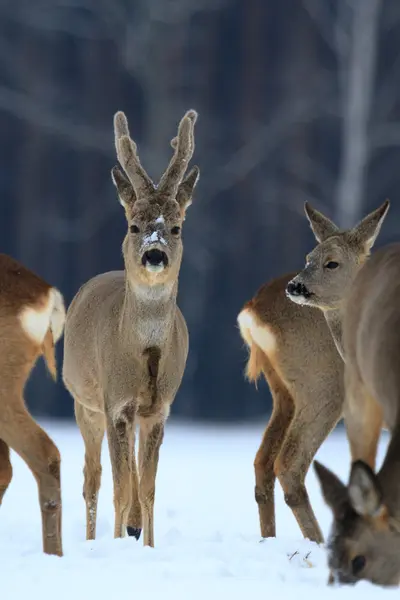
x=133 y=532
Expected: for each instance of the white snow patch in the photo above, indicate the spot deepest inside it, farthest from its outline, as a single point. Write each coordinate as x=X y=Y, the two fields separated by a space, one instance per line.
x=160 y=219
x=154 y=237
x=206 y=528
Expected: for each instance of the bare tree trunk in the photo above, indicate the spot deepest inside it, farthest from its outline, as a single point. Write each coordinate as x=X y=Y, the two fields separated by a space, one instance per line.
x=357 y=99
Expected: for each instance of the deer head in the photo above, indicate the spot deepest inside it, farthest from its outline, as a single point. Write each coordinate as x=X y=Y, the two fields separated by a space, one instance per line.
x=364 y=539
x=332 y=266
x=153 y=247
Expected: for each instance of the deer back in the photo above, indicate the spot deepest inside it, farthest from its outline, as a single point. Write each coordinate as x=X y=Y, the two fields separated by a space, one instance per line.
x=31 y=321
x=301 y=349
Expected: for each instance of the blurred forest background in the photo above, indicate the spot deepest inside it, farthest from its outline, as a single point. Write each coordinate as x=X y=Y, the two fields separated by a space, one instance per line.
x=297 y=99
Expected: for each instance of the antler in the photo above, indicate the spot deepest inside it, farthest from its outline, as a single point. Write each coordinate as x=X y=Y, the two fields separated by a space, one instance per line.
x=127 y=156
x=184 y=148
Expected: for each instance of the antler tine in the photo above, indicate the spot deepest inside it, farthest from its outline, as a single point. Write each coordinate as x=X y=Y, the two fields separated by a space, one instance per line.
x=127 y=155
x=184 y=148
x=121 y=128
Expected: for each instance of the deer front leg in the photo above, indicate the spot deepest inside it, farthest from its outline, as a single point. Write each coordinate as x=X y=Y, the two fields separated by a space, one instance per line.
x=121 y=441
x=151 y=437
x=134 y=528
x=5 y=469
x=92 y=426
x=363 y=419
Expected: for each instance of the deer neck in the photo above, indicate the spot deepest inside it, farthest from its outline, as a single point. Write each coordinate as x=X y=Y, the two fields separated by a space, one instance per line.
x=148 y=313
x=334 y=321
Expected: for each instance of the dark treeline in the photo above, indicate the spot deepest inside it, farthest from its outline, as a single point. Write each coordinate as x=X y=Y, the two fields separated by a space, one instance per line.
x=297 y=100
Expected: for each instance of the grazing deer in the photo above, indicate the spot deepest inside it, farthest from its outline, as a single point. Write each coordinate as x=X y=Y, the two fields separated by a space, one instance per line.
x=290 y=345
x=360 y=300
x=32 y=316
x=126 y=341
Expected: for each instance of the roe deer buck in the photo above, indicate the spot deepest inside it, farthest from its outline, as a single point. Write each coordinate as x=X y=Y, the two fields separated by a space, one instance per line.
x=289 y=344
x=359 y=298
x=32 y=316
x=126 y=341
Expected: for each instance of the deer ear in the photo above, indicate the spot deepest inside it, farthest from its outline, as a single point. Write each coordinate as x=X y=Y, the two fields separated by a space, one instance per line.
x=186 y=188
x=322 y=226
x=364 y=491
x=126 y=193
x=333 y=490
x=367 y=230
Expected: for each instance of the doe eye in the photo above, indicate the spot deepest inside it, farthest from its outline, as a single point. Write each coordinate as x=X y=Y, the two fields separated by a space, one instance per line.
x=332 y=264
x=357 y=564
x=134 y=229
x=175 y=230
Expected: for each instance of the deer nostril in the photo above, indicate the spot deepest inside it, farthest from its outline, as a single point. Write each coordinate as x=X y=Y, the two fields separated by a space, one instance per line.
x=297 y=289
x=293 y=288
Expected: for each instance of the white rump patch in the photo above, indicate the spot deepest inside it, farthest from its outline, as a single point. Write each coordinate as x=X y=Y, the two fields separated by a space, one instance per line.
x=57 y=318
x=36 y=321
x=252 y=330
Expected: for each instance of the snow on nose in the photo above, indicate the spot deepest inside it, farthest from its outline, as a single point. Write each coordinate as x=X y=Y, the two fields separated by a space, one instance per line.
x=154 y=238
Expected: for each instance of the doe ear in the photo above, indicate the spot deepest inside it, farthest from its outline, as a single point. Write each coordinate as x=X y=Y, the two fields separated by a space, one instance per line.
x=126 y=193
x=186 y=188
x=366 y=232
x=364 y=491
x=321 y=226
x=333 y=490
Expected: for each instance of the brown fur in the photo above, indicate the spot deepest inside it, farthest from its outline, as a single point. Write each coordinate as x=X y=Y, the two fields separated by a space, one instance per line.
x=360 y=297
x=306 y=406
x=126 y=341
x=21 y=289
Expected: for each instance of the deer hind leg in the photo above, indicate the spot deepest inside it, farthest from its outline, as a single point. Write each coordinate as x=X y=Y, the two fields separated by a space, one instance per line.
x=121 y=442
x=282 y=413
x=151 y=437
x=311 y=425
x=5 y=469
x=92 y=427
x=43 y=458
x=363 y=418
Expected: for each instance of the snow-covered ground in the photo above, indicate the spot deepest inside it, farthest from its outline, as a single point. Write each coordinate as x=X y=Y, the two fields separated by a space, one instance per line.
x=206 y=528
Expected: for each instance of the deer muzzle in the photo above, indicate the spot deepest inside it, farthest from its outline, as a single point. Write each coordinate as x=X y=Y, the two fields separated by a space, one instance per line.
x=154 y=260
x=296 y=291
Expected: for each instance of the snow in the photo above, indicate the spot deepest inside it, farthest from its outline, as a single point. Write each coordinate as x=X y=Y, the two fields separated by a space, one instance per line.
x=154 y=237
x=206 y=528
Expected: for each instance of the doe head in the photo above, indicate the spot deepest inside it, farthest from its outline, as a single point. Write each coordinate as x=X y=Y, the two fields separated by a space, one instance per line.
x=333 y=264
x=153 y=247
x=364 y=540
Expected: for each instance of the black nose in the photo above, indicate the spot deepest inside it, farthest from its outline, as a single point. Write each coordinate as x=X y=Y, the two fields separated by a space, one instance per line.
x=295 y=288
x=155 y=257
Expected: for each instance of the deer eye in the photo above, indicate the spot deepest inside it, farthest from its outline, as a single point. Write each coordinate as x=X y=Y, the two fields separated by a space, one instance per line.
x=332 y=264
x=357 y=564
x=134 y=229
x=175 y=230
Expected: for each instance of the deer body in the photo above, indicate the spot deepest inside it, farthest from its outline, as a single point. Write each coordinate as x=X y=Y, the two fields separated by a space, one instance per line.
x=136 y=323
x=126 y=341
x=293 y=348
x=362 y=295
x=32 y=318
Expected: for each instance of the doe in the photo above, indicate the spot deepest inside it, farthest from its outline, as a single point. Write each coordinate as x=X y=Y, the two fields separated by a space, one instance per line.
x=360 y=300
x=32 y=316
